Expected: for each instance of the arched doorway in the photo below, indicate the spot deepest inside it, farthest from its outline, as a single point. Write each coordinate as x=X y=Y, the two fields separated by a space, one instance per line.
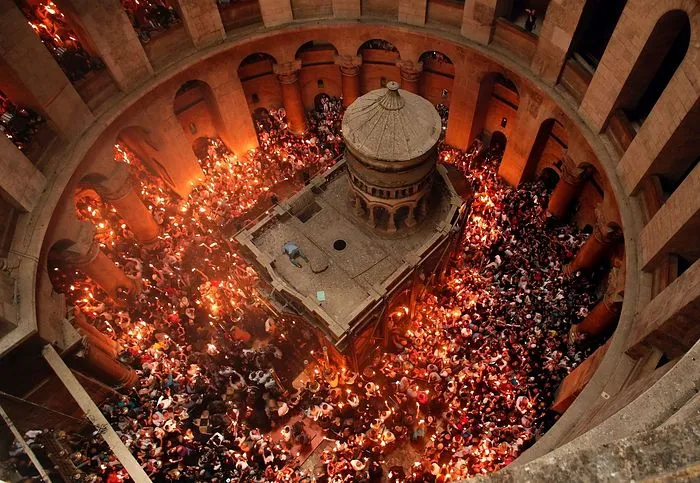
x=379 y=59
x=259 y=82
x=550 y=145
x=197 y=111
x=595 y=28
x=498 y=143
x=319 y=74
x=549 y=177
x=437 y=77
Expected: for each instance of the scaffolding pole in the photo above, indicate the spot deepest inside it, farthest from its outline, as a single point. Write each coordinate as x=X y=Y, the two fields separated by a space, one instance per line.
x=25 y=446
x=93 y=413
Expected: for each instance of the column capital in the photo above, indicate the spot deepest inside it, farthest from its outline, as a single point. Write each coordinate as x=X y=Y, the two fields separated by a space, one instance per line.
x=74 y=256
x=349 y=64
x=615 y=291
x=410 y=71
x=605 y=231
x=571 y=173
x=287 y=72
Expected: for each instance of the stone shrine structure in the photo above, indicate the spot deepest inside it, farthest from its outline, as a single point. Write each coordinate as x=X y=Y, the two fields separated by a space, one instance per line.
x=352 y=275
x=391 y=137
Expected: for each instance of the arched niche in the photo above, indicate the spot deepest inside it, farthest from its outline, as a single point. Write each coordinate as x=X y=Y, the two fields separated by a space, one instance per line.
x=319 y=73
x=259 y=83
x=379 y=58
x=437 y=77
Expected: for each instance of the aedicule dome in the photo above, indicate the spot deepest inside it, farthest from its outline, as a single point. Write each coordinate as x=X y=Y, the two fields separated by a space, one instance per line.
x=391 y=125
x=391 y=137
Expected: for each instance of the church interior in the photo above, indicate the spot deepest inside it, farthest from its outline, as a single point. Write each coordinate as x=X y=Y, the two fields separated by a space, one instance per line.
x=349 y=240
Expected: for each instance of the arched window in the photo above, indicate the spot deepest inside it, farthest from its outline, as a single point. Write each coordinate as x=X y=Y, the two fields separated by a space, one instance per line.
x=663 y=53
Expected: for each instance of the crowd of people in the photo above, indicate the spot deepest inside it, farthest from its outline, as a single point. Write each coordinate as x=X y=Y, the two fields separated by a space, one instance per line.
x=54 y=30
x=464 y=387
x=149 y=17
x=19 y=123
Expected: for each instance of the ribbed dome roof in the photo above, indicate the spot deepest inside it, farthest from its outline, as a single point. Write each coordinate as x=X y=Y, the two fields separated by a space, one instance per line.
x=391 y=124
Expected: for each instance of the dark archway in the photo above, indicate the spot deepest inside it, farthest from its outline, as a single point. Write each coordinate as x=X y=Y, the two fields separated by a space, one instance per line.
x=379 y=58
x=549 y=177
x=197 y=111
x=259 y=83
x=663 y=53
x=549 y=146
x=595 y=28
x=137 y=140
x=498 y=142
x=437 y=77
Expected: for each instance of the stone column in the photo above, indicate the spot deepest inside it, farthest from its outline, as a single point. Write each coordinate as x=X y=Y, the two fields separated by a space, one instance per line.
x=347 y=8
x=21 y=183
x=391 y=224
x=126 y=200
x=234 y=123
x=603 y=316
x=102 y=270
x=515 y=166
x=464 y=107
x=171 y=150
x=576 y=381
x=288 y=77
x=410 y=75
x=479 y=17
x=29 y=62
x=411 y=218
x=107 y=345
x=276 y=12
x=413 y=12
x=598 y=245
x=108 y=369
x=350 y=77
x=567 y=189
x=371 y=220
x=202 y=21
x=109 y=28
x=558 y=28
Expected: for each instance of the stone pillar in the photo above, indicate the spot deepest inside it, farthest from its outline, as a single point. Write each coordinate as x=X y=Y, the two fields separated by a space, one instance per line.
x=567 y=189
x=21 y=183
x=234 y=124
x=276 y=12
x=576 y=381
x=288 y=77
x=350 y=77
x=479 y=17
x=109 y=28
x=464 y=107
x=108 y=369
x=413 y=12
x=558 y=28
x=593 y=251
x=411 y=218
x=107 y=345
x=410 y=75
x=371 y=220
x=515 y=167
x=347 y=8
x=29 y=62
x=102 y=270
x=122 y=195
x=202 y=21
x=391 y=224
x=172 y=149
x=603 y=316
